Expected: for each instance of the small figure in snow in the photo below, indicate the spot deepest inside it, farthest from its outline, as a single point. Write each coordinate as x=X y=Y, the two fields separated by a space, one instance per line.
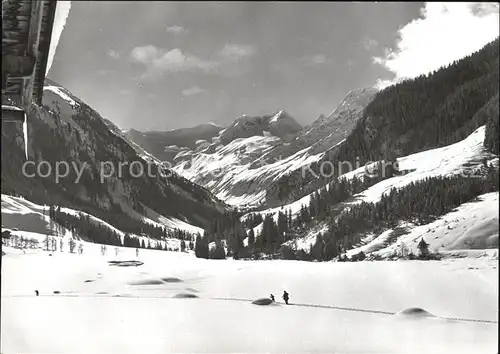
x=36 y=292
x=137 y=252
x=272 y=297
x=285 y=297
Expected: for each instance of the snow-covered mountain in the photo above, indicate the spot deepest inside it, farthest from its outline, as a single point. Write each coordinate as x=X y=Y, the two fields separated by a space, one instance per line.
x=280 y=125
x=66 y=130
x=166 y=144
x=328 y=131
x=247 y=157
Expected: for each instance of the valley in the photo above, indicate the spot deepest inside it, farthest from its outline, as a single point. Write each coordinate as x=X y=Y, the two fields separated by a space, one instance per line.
x=379 y=219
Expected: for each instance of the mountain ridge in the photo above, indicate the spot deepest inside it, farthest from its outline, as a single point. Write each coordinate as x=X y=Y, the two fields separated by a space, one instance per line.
x=65 y=129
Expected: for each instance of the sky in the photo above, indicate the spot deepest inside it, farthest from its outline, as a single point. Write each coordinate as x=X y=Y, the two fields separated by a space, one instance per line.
x=165 y=65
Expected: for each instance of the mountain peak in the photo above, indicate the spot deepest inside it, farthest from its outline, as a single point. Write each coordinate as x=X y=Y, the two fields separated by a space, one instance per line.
x=276 y=117
x=355 y=98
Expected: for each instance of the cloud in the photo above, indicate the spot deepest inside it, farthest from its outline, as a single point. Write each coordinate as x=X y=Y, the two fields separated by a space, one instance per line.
x=444 y=33
x=113 y=54
x=236 y=51
x=382 y=83
x=60 y=17
x=369 y=43
x=484 y=8
x=104 y=72
x=175 y=29
x=125 y=92
x=160 y=61
x=195 y=90
x=316 y=60
x=152 y=96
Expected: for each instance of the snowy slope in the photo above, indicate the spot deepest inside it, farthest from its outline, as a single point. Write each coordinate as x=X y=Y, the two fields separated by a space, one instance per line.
x=239 y=171
x=108 y=309
x=328 y=131
x=26 y=216
x=472 y=226
x=463 y=157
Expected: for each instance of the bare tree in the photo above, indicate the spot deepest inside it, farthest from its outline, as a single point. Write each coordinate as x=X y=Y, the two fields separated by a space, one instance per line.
x=47 y=243
x=403 y=250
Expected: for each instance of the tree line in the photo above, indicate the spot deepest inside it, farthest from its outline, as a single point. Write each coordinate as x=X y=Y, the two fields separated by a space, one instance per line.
x=419 y=202
x=82 y=226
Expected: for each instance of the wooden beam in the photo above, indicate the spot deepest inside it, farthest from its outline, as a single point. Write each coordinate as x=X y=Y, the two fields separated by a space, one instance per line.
x=44 y=48
x=32 y=49
x=17 y=66
x=27 y=29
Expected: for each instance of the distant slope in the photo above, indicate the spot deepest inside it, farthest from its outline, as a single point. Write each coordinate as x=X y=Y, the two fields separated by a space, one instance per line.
x=166 y=144
x=33 y=220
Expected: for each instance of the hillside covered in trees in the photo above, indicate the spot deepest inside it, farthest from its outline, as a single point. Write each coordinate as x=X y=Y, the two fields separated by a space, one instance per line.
x=65 y=130
x=429 y=111
x=419 y=203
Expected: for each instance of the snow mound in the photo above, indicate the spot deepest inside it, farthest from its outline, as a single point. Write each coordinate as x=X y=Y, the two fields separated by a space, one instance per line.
x=172 y=280
x=185 y=296
x=147 y=282
x=262 y=301
x=126 y=263
x=415 y=312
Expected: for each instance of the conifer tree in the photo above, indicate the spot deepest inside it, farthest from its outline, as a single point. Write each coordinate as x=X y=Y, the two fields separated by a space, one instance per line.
x=423 y=248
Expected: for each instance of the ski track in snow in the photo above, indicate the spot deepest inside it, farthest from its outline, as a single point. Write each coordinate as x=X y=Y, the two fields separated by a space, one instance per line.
x=127 y=296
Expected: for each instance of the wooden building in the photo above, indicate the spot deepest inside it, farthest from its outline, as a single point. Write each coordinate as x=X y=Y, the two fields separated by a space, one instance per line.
x=26 y=35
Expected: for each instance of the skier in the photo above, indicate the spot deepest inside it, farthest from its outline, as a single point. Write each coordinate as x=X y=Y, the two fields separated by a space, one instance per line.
x=36 y=292
x=137 y=252
x=285 y=297
x=272 y=297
